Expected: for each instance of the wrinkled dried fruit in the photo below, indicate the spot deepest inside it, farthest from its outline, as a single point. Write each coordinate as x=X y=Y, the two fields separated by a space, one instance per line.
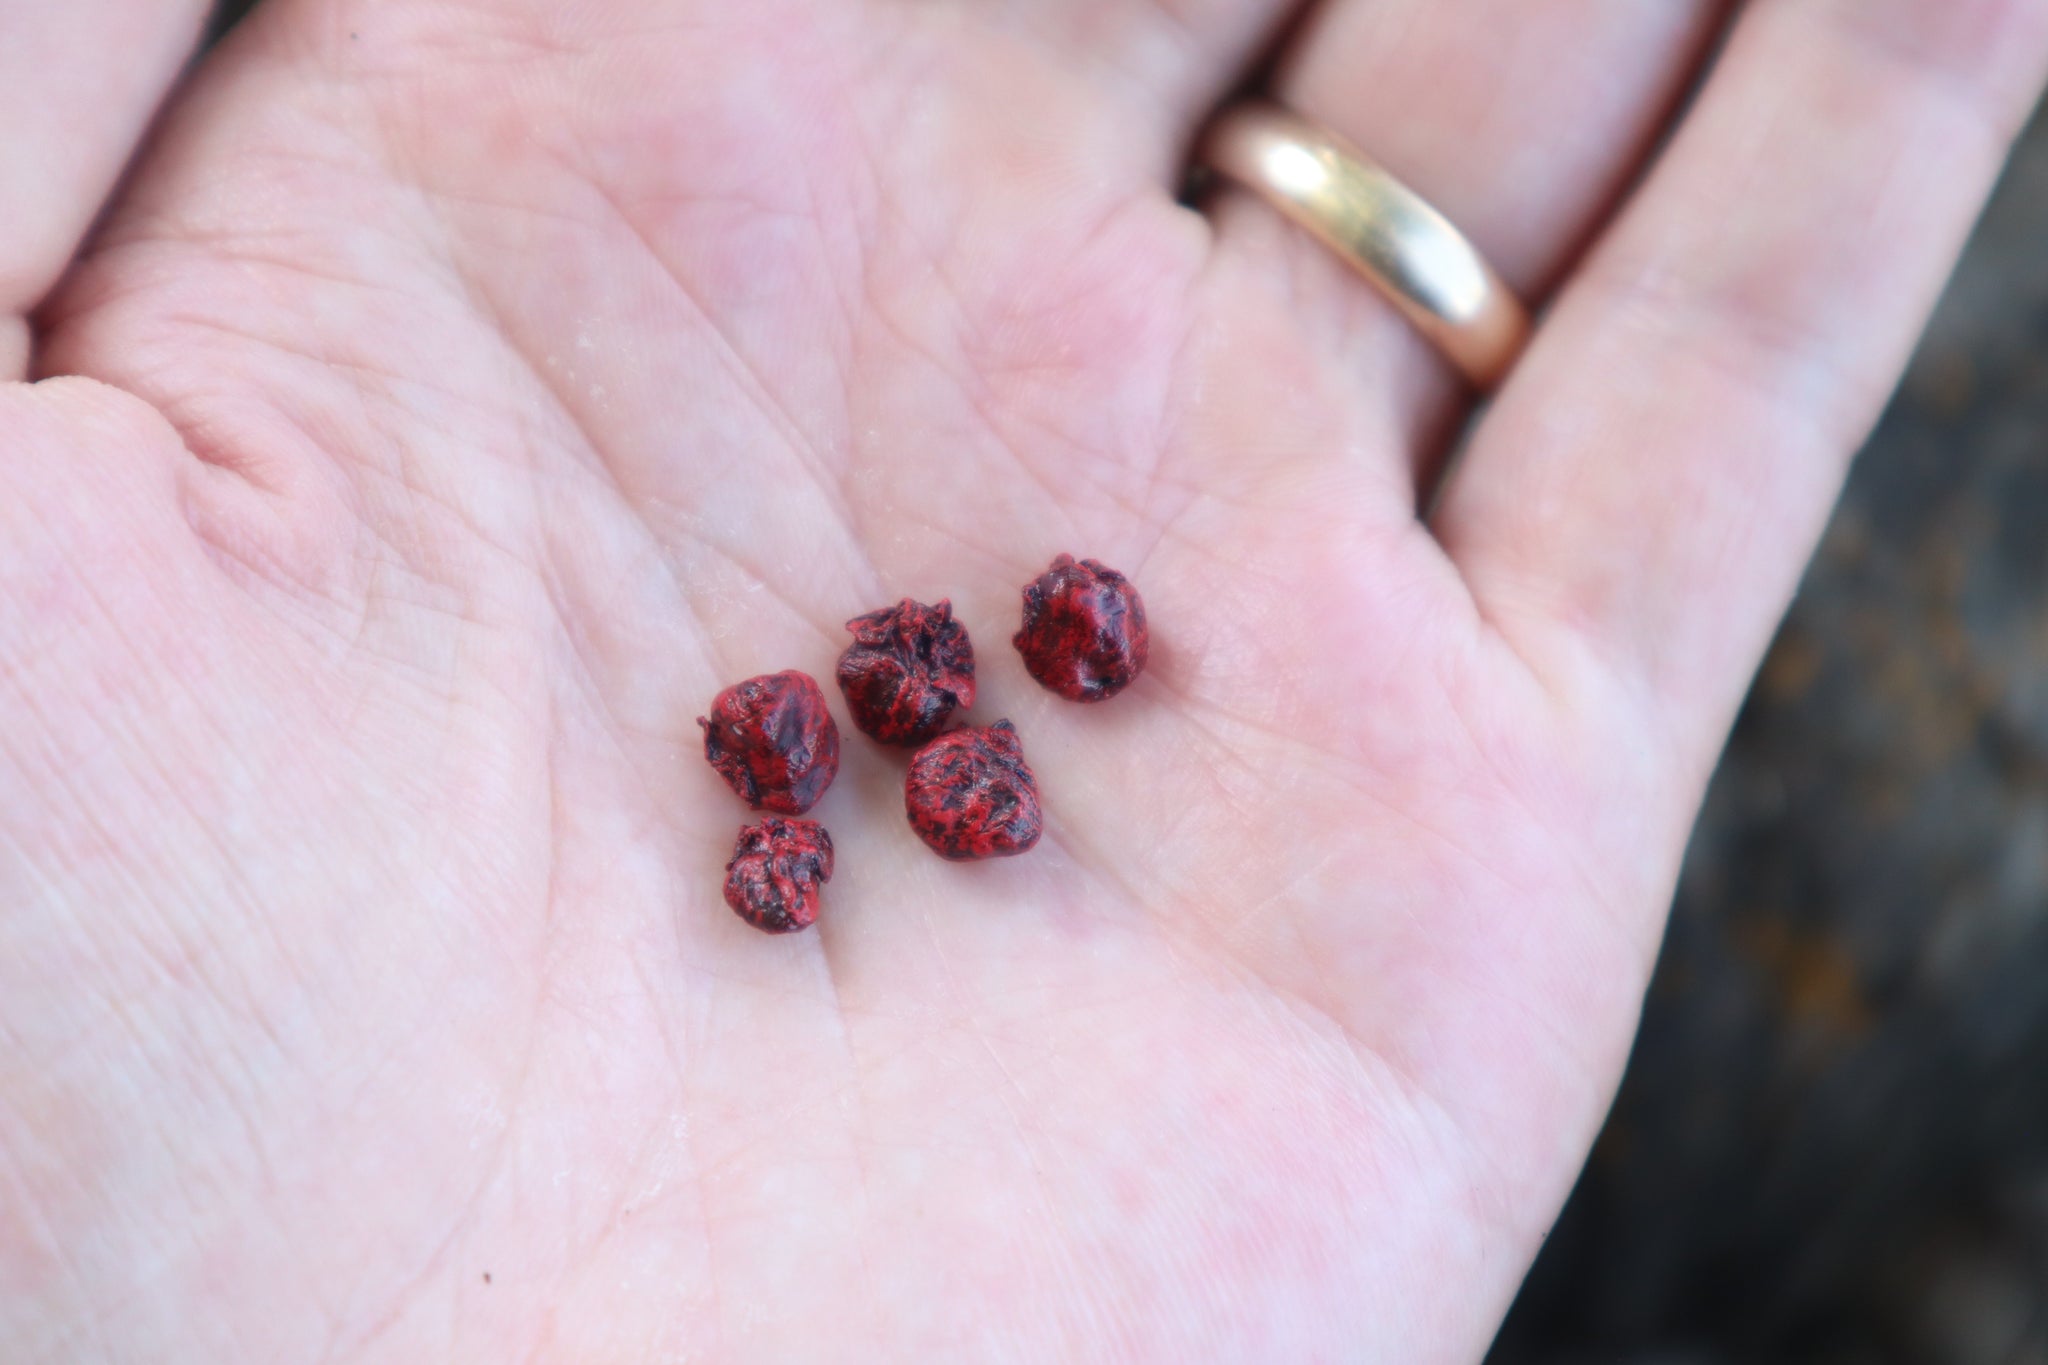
x=773 y=740
x=908 y=668
x=969 y=794
x=1084 y=634
x=776 y=869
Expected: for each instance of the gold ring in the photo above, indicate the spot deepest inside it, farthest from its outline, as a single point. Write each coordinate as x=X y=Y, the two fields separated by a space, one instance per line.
x=1382 y=229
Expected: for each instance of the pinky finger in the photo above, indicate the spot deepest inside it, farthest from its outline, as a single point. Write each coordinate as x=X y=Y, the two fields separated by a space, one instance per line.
x=1638 y=506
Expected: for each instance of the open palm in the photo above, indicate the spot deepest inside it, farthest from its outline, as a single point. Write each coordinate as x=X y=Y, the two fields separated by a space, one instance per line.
x=475 y=388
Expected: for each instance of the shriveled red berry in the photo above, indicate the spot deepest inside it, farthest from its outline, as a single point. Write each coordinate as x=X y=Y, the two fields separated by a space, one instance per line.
x=773 y=740
x=1084 y=633
x=969 y=794
x=908 y=668
x=776 y=869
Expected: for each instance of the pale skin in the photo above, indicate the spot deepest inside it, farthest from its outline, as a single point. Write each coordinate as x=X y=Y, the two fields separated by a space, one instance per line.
x=463 y=392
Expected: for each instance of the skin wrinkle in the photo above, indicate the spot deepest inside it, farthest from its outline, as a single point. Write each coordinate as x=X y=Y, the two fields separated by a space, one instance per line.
x=985 y=360
x=1166 y=433
x=42 y=1232
x=148 y=1275
x=1356 y=776
x=402 y=1299
x=935 y=257
x=1215 y=949
x=403 y=470
x=966 y=1016
x=1652 y=300
x=1559 y=641
x=1046 y=428
x=590 y=692
x=641 y=501
x=850 y=286
x=267 y=564
x=254 y=1145
x=1199 y=547
x=860 y=1122
x=873 y=202
x=479 y=299
x=967 y=550
x=794 y=1114
x=193 y=957
x=492 y=1168
x=1592 y=886
x=807 y=454
x=975 y=402
x=1376 y=1068
x=246 y=569
x=826 y=632
x=63 y=1341
x=679 y=1066
x=980 y=398
x=138 y=229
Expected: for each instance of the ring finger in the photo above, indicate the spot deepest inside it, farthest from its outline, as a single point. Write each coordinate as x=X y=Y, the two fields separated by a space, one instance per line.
x=1522 y=123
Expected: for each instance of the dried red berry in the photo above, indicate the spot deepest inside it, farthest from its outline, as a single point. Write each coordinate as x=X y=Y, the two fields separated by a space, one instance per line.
x=1084 y=633
x=776 y=869
x=773 y=740
x=969 y=794
x=907 y=669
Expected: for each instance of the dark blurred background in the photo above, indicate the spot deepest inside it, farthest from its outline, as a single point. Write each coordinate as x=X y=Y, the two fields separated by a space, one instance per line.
x=1832 y=1144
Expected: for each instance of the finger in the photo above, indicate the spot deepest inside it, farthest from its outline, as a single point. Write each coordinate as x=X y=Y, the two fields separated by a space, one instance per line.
x=1161 y=63
x=1520 y=122
x=79 y=82
x=1645 y=494
x=13 y=348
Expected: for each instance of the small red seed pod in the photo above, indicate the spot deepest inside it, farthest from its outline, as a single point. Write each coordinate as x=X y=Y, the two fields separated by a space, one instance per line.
x=969 y=794
x=1084 y=634
x=773 y=741
x=776 y=869
x=908 y=668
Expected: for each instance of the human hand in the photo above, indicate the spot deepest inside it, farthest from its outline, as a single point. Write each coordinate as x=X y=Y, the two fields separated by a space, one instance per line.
x=491 y=383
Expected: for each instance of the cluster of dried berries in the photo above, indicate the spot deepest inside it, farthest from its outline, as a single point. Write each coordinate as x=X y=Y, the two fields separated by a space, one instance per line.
x=969 y=793
x=776 y=745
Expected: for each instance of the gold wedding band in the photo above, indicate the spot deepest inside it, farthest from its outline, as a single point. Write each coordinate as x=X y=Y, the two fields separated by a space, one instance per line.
x=1381 y=228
